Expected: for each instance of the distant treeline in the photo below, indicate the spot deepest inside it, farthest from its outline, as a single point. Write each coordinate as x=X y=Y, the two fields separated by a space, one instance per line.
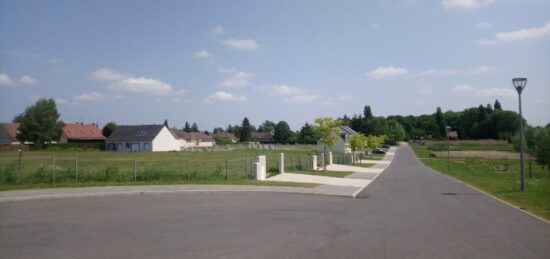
x=482 y=122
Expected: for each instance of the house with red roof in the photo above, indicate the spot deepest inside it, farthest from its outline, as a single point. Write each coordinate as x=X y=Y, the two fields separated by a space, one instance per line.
x=81 y=132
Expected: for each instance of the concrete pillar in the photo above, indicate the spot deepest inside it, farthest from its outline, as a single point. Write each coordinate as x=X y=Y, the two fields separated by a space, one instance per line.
x=282 y=163
x=260 y=168
x=330 y=157
x=322 y=159
x=314 y=162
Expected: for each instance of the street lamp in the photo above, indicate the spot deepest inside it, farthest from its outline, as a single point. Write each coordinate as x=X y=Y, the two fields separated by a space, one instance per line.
x=519 y=84
x=448 y=129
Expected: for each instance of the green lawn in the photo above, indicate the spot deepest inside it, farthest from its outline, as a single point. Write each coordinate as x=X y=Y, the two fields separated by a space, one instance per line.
x=321 y=173
x=91 y=168
x=365 y=165
x=499 y=177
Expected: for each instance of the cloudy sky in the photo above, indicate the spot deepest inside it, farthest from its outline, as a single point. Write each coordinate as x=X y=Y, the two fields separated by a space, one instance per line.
x=214 y=62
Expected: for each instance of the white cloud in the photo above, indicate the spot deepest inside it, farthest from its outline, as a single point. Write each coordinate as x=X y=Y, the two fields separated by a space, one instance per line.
x=424 y=90
x=225 y=97
x=97 y=96
x=203 y=54
x=481 y=70
x=108 y=75
x=141 y=85
x=239 y=79
x=5 y=80
x=386 y=72
x=344 y=97
x=245 y=44
x=60 y=101
x=283 y=90
x=496 y=92
x=522 y=35
x=28 y=80
x=465 y=4
x=54 y=60
x=463 y=88
x=483 y=25
x=217 y=30
x=306 y=98
x=226 y=70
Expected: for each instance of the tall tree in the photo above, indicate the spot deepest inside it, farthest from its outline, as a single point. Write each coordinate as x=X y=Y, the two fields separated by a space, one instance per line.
x=108 y=129
x=246 y=130
x=497 y=106
x=267 y=126
x=187 y=128
x=166 y=123
x=283 y=134
x=395 y=132
x=441 y=123
x=40 y=123
x=327 y=130
x=367 y=113
x=194 y=127
x=307 y=135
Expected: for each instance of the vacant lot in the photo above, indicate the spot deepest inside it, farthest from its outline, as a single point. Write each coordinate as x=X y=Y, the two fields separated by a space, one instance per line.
x=480 y=154
x=54 y=169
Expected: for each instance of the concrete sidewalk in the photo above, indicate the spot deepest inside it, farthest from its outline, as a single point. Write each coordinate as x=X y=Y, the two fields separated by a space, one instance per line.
x=306 y=178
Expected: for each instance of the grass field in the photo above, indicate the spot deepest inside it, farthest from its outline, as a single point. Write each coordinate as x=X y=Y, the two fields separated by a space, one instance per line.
x=41 y=169
x=499 y=177
x=465 y=145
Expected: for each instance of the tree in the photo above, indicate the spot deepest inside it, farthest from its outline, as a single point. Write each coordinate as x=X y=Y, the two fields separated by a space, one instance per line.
x=441 y=123
x=395 y=132
x=108 y=129
x=194 y=127
x=283 y=134
x=367 y=113
x=217 y=130
x=267 y=126
x=374 y=141
x=357 y=142
x=40 y=123
x=187 y=128
x=166 y=123
x=246 y=130
x=497 y=106
x=327 y=130
x=307 y=135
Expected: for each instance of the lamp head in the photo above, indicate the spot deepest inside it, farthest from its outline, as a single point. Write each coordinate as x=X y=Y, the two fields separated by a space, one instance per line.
x=519 y=84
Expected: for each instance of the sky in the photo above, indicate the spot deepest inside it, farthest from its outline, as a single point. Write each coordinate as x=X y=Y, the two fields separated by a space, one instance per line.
x=216 y=62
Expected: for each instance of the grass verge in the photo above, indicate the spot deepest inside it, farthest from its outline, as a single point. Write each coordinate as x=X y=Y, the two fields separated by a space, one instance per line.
x=498 y=177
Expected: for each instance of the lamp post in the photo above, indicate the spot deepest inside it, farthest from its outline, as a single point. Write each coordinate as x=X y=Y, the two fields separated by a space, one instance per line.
x=447 y=129
x=519 y=84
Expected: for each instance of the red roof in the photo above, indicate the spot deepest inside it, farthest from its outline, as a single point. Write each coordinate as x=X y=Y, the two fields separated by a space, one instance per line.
x=82 y=131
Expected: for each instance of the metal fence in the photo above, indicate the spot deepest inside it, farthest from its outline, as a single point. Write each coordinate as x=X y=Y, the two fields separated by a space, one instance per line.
x=129 y=169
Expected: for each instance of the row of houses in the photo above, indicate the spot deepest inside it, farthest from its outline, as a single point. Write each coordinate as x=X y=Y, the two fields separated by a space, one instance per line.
x=136 y=138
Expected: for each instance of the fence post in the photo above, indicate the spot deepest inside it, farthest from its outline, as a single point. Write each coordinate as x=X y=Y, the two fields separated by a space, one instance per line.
x=314 y=162
x=226 y=168
x=330 y=157
x=188 y=168
x=291 y=163
x=135 y=170
x=245 y=171
x=53 y=169
x=76 y=168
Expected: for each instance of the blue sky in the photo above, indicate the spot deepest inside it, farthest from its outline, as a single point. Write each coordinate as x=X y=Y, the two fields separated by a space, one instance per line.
x=215 y=62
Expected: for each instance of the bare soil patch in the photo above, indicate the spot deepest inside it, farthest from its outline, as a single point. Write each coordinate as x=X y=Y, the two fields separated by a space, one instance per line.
x=481 y=154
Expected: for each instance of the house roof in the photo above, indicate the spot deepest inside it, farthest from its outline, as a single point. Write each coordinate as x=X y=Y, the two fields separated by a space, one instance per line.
x=135 y=133
x=8 y=132
x=262 y=135
x=82 y=131
x=345 y=130
x=191 y=136
x=224 y=135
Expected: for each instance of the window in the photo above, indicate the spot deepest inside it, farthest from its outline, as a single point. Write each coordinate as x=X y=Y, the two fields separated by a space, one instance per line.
x=146 y=146
x=140 y=133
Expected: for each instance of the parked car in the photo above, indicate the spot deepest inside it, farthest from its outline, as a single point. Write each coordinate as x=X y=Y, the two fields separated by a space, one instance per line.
x=378 y=151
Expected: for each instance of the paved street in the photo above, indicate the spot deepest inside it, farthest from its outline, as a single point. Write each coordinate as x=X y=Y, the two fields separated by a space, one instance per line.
x=407 y=212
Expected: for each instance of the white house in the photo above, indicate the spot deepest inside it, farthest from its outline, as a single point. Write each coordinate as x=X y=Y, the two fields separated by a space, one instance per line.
x=341 y=145
x=136 y=138
x=190 y=140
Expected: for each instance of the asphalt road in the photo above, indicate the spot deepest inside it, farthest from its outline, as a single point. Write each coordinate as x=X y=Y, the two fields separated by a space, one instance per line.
x=408 y=212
